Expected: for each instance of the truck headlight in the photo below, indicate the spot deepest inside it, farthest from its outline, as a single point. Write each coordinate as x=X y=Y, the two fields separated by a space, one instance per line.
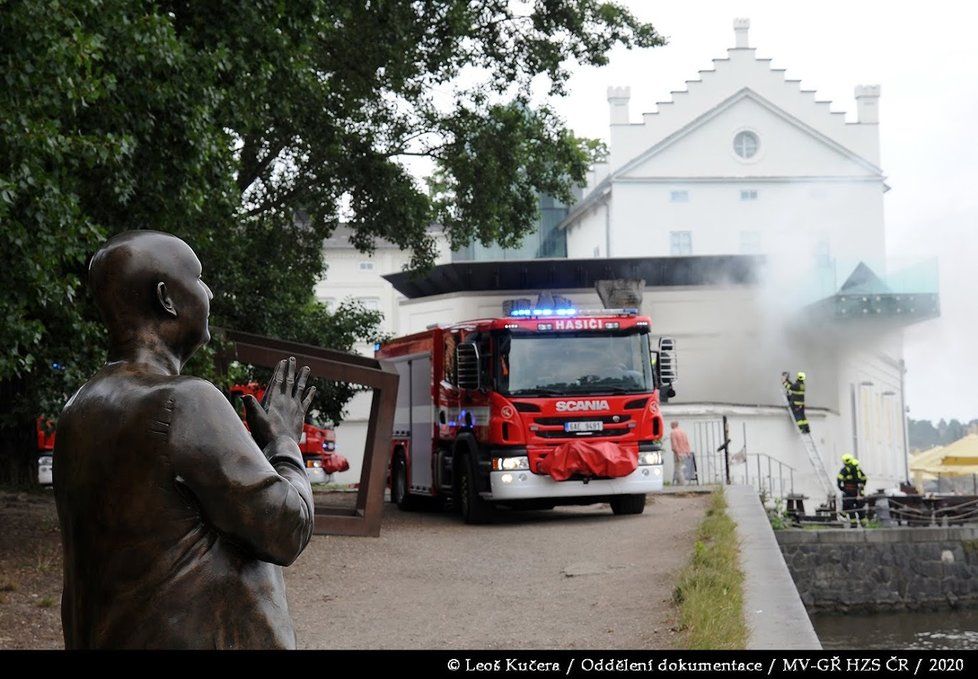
x=655 y=457
x=510 y=463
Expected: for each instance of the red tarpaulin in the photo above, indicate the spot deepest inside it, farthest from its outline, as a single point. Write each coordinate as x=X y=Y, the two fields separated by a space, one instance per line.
x=605 y=459
x=335 y=463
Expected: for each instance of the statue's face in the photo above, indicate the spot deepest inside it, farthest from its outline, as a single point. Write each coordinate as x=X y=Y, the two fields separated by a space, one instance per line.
x=191 y=298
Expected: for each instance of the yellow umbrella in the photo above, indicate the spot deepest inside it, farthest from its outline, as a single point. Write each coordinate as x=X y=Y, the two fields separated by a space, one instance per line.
x=946 y=470
x=927 y=457
x=922 y=464
x=964 y=451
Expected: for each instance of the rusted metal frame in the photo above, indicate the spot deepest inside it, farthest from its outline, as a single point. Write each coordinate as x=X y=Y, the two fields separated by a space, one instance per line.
x=382 y=379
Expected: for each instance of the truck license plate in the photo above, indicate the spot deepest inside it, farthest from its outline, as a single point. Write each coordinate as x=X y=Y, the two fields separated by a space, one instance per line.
x=584 y=426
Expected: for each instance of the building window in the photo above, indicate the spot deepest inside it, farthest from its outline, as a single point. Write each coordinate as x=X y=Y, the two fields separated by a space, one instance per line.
x=680 y=243
x=371 y=303
x=366 y=266
x=745 y=144
x=750 y=242
x=679 y=196
x=748 y=194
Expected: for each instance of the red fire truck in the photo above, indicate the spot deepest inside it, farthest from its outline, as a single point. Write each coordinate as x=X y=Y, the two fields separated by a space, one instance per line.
x=540 y=408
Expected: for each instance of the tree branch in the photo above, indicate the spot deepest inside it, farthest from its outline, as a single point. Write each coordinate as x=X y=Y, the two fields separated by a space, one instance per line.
x=251 y=166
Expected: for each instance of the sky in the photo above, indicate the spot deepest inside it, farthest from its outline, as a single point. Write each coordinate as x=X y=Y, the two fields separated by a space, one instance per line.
x=926 y=61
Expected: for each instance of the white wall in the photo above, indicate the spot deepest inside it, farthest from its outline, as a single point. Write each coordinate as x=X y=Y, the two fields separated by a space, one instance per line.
x=790 y=218
x=587 y=237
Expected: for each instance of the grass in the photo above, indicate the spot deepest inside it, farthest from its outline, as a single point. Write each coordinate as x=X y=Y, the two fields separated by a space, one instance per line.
x=710 y=593
x=46 y=602
x=45 y=559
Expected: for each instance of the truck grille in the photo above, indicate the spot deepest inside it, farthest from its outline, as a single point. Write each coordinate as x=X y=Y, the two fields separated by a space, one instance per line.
x=561 y=434
x=607 y=419
x=553 y=427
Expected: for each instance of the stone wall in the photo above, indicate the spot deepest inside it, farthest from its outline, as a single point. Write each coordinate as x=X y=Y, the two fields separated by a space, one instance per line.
x=888 y=569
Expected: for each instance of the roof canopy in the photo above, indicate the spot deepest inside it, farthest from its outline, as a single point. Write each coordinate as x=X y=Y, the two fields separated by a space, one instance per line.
x=570 y=274
x=865 y=296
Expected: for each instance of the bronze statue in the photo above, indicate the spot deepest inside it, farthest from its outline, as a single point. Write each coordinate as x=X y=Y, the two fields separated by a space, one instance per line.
x=175 y=520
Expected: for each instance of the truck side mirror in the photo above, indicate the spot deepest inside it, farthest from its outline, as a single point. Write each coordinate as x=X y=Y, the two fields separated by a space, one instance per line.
x=667 y=360
x=467 y=366
x=668 y=372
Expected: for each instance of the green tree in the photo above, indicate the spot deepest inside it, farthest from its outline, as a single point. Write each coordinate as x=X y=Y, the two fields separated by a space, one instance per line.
x=251 y=130
x=922 y=434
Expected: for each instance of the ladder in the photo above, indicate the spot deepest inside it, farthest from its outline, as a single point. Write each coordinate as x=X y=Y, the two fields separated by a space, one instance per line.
x=808 y=440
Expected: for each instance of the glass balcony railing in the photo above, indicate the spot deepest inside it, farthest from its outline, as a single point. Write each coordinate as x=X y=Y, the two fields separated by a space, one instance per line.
x=853 y=287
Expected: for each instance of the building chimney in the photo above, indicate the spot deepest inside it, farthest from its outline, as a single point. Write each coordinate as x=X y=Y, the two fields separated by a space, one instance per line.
x=741 y=26
x=867 y=103
x=620 y=293
x=618 y=103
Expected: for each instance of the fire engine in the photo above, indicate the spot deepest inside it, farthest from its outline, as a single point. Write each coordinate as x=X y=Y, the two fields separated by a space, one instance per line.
x=535 y=409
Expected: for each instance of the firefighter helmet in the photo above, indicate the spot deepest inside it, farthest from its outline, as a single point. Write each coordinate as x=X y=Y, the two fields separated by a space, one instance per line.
x=801 y=376
x=848 y=459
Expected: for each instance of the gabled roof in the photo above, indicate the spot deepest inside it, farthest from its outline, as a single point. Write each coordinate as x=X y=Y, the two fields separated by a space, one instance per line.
x=740 y=95
x=603 y=188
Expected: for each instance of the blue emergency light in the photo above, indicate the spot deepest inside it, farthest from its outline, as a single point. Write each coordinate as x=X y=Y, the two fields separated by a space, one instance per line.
x=528 y=313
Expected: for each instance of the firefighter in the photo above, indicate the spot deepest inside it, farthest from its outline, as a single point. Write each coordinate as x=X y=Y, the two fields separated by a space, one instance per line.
x=851 y=481
x=796 y=399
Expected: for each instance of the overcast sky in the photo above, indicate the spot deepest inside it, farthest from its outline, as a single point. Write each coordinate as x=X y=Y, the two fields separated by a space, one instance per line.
x=926 y=61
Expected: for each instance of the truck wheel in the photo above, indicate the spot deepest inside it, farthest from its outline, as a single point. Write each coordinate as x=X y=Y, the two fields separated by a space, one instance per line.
x=628 y=504
x=474 y=509
x=399 y=490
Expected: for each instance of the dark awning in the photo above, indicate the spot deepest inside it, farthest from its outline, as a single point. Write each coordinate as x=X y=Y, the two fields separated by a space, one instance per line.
x=569 y=274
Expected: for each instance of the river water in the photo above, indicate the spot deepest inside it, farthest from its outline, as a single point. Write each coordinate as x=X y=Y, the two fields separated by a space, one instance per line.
x=956 y=629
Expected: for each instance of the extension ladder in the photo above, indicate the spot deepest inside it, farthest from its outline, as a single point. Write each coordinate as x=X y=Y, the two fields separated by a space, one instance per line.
x=808 y=440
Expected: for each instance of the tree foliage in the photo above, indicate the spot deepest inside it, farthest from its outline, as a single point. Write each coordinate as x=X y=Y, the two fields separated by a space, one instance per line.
x=923 y=434
x=251 y=130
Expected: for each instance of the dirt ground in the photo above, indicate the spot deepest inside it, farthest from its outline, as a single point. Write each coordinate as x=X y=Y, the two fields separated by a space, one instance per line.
x=30 y=571
x=574 y=577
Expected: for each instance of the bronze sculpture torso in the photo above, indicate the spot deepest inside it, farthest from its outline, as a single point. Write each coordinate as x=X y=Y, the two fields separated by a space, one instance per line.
x=175 y=524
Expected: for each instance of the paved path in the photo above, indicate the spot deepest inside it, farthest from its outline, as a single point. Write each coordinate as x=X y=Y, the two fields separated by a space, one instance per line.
x=773 y=609
x=574 y=577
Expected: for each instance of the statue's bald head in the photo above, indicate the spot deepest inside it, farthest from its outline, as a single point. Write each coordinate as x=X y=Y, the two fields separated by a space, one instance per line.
x=147 y=287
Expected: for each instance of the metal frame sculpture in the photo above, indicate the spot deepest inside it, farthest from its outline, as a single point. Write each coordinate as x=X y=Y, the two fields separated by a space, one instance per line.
x=364 y=519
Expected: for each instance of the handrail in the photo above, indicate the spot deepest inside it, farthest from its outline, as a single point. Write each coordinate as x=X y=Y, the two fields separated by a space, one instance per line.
x=769 y=487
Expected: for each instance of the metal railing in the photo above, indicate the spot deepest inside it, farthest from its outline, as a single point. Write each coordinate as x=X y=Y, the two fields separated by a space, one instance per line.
x=765 y=474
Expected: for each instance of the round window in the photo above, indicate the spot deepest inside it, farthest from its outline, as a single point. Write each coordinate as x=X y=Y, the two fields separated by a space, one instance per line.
x=745 y=144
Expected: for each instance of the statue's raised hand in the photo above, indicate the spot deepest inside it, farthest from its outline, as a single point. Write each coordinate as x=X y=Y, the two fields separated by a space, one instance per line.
x=283 y=409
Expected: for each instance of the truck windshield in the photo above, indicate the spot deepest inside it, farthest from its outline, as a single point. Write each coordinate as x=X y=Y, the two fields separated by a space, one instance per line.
x=574 y=363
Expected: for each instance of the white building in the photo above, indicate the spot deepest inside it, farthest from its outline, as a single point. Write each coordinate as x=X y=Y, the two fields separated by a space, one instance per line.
x=741 y=163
